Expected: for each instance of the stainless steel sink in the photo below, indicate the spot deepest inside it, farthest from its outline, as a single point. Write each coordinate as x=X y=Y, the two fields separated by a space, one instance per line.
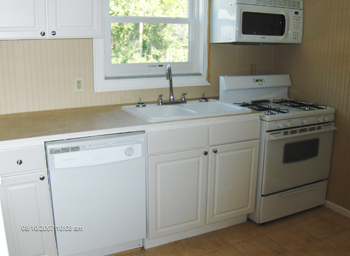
x=189 y=110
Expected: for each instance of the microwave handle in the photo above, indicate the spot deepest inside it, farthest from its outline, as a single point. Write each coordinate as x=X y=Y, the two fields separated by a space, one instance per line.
x=271 y=137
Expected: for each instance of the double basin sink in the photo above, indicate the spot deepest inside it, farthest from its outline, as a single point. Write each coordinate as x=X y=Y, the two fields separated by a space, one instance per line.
x=189 y=110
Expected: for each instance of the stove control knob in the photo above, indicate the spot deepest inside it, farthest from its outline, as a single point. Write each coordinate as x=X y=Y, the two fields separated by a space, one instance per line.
x=326 y=119
x=320 y=119
x=303 y=121
x=279 y=125
x=287 y=123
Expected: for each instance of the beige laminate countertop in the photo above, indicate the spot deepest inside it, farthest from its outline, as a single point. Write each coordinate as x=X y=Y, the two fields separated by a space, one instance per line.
x=52 y=122
x=80 y=120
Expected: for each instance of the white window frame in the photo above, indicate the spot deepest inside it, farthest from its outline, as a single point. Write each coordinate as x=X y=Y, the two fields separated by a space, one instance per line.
x=103 y=83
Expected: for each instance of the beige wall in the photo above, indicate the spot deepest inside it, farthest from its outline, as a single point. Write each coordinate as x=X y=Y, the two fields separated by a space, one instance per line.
x=320 y=71
x=39 y=75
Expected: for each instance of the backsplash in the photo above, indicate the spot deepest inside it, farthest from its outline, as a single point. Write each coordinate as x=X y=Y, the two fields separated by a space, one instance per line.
x=39 y=75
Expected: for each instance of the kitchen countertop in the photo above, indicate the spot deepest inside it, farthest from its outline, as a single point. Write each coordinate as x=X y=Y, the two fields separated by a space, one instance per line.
x=68 y=121
x=52 y=122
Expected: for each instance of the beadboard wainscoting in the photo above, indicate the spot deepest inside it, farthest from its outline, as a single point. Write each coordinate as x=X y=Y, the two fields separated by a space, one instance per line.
x=320 y=72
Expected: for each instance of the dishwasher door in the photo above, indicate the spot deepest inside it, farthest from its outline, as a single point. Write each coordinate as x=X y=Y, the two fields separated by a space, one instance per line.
x=98 y=193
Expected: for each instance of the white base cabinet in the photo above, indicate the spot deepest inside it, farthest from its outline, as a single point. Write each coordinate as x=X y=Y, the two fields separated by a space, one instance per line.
x=200 y=179
x=177 y=192
x=232 y=180
x=26 y=209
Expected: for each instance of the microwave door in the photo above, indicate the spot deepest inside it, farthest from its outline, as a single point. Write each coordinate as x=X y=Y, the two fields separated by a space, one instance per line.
x=264 y=24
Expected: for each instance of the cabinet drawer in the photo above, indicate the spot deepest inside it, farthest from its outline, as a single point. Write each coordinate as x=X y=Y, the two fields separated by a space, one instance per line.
x=179 y=139
x=22 y=160
x=296 y=200
x=234 y=132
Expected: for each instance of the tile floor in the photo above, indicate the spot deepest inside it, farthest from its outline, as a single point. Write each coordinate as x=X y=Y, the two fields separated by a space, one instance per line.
x=319 y=231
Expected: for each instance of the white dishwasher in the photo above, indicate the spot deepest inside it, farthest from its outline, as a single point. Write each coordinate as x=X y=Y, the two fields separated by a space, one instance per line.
x=98 y=193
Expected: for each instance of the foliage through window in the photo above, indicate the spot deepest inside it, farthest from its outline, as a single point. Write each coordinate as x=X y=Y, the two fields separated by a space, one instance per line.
x=149 y=42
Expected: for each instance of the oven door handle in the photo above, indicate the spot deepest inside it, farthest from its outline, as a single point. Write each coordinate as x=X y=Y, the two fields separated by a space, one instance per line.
x=272 y=137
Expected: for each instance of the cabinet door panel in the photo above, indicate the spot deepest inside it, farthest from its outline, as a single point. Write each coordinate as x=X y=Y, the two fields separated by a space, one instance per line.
x=177 y=192
x=22 y=19
x=75 y=19
x=232 y=180
x=26 y=207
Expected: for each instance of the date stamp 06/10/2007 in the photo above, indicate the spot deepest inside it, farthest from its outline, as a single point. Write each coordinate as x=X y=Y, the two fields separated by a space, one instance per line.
x=50 y=228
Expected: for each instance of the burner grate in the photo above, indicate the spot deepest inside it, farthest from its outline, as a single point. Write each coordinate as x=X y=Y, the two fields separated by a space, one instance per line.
x=303 y=105
x=259 y=106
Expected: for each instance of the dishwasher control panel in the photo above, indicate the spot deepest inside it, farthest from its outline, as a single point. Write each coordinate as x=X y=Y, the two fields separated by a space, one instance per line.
x=87 y=156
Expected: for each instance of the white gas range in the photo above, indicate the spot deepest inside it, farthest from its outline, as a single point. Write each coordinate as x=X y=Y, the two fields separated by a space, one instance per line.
x=296 y=139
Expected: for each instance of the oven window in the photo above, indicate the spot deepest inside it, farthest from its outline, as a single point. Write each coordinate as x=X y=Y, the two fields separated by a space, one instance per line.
x=266 y=24
x=299 y=151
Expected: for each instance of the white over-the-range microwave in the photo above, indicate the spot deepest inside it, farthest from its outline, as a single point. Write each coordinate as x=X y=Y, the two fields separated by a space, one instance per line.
x=256 y=21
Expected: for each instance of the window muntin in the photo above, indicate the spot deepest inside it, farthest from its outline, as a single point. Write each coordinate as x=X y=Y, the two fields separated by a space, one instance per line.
x=149 y=8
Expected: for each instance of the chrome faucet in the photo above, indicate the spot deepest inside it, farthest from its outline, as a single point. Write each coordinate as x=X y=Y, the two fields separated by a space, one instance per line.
x=169 y=76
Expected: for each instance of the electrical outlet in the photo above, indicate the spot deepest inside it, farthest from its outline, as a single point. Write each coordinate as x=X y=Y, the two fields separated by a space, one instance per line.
x=79 y=85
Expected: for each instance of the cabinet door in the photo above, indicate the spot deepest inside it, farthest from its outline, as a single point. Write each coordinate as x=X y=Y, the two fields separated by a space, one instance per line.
x=232 y=180
x=75 y=19
x=27 y=213
x=177 y=192
x=22 y=19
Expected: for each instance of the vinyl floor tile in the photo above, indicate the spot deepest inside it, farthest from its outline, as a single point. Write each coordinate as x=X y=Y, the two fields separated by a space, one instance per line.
x=337 y=218
x=319 y=227
x=238 y=233
x=318 y=249
x=291 y=237
x=224 y=251
x=316 y=232
x=270 y=226
x=203 y=243
x=171 y=249
x=340 y=241
x=260 y=246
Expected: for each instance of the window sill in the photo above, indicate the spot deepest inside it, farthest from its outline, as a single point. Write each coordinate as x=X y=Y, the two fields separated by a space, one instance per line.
x=101 y=84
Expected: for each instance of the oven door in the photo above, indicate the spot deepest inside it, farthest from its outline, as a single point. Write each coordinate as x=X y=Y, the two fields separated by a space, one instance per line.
x=296 y=157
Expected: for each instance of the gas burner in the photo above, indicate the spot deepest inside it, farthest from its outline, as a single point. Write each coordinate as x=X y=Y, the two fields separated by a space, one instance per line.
x=258 y=106
x=302 y=105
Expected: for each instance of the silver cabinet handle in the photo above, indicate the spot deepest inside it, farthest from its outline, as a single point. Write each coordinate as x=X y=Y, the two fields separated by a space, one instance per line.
x=205 y=153
x=53 y=33
x=42 y=178
x=19 y=162
x=42 y=33
x=215 y=151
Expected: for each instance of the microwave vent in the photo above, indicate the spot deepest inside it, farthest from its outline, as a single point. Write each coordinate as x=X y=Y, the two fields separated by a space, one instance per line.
x=294 y=4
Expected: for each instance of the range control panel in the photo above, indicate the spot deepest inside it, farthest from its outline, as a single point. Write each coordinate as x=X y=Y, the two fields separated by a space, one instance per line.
x=297 y=122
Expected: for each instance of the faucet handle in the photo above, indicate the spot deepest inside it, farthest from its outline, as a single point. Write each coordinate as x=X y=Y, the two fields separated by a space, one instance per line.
x=203 y=99
x=183 y=96
x=160 y=100
x=140 y=104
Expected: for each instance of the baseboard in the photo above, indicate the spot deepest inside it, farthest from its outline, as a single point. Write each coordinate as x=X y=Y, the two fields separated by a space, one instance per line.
x=338 y=209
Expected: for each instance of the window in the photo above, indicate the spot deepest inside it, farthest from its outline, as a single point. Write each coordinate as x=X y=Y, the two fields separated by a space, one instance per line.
x=141 y=37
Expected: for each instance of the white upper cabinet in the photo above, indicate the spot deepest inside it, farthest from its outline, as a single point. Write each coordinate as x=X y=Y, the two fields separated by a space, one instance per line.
x=22 y=19
x=40 y=19
x=75 y=19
